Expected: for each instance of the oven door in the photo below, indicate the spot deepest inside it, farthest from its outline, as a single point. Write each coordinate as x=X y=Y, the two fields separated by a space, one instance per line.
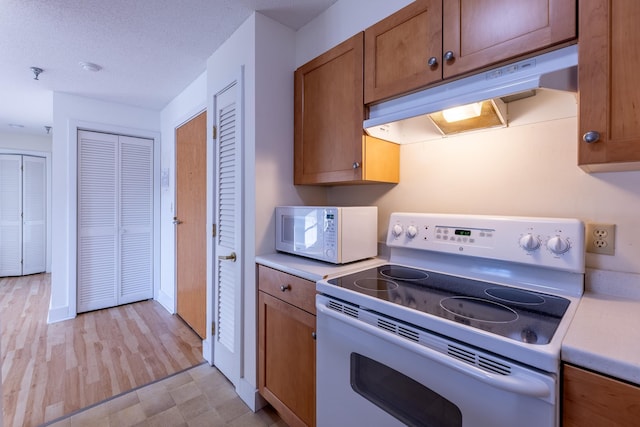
x=369 y=375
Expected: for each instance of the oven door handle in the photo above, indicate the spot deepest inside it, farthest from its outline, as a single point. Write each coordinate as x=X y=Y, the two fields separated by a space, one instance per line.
x=518 y=383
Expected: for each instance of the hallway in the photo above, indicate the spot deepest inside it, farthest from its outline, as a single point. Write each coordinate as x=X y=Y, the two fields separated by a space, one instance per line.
x=52 y=370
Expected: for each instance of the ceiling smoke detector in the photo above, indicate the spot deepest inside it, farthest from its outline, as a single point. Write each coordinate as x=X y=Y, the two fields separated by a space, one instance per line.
x=90 y=66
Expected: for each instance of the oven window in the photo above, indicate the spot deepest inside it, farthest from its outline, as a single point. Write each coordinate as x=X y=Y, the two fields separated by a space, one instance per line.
x=397 y=394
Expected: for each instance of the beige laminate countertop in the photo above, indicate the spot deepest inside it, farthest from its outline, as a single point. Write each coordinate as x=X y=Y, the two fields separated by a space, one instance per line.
x=605 y=332
x=314 y=270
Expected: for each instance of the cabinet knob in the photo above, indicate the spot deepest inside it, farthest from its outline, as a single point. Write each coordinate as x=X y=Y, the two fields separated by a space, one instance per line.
x=448 y=56
x=432 y=62
x=591 y=137
x=313 y=335
x=356 y=165
x=285 y=288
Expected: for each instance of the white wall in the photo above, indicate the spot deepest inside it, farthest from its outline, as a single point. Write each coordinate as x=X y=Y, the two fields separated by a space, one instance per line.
x=25 y=142
x=528 y=170
x=341 y=21
x=69 y=113
x=181 y=109
x=224 y=67
x=265 y=49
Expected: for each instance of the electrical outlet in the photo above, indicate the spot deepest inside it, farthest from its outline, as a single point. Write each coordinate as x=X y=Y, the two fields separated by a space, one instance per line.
x=601 y=238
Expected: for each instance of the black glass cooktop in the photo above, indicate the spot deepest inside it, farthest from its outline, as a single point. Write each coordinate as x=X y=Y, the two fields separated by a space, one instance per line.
x=522 y=315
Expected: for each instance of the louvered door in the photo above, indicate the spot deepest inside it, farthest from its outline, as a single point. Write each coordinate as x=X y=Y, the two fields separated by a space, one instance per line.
x=227 y=270
x=136 y=219
x=34 y=225
x=23 y=184
x=115 y=220
x=10 y=215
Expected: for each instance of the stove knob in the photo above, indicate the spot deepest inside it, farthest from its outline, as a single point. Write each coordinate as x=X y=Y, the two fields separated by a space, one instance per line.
x=529 y=242
x=412 y=231
x=396 y=230
x=558 y=245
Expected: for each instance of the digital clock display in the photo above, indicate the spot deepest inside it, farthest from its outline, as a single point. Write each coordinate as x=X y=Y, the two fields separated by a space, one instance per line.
x=463 y=232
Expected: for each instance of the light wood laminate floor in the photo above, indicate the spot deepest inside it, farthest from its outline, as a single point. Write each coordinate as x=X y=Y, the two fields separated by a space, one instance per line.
x=52 y=370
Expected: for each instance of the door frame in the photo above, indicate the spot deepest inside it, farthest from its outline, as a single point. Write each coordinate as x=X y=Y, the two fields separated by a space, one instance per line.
x=234 y=77
x=47 y=156
x=70 y=311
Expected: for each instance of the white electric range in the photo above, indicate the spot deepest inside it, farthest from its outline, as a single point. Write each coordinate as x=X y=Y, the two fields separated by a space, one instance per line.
x=462 y=327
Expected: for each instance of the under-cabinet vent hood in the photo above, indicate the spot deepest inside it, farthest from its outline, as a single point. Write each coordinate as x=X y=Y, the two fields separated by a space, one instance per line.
x=401 y=119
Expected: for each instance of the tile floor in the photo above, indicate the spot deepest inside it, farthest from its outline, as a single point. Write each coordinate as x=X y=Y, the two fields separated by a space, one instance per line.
x=197 y=397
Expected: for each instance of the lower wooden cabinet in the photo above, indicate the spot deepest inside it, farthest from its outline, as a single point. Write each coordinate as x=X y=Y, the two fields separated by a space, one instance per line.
x=591 y=399
x=286 y=345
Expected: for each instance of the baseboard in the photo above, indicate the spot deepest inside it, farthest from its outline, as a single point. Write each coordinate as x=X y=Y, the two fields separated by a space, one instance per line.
x=59 y=314
x=249 y=395
x=166 y=301
x=206 y=350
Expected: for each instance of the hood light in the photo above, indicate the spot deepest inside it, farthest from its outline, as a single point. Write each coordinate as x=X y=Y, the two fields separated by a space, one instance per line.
x=463 y=112
x=479 y=115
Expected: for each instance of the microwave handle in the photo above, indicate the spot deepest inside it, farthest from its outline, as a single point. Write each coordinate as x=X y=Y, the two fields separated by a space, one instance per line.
x=520 y=384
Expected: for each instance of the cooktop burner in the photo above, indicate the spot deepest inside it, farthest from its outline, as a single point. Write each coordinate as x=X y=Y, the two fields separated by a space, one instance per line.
x=522 y=315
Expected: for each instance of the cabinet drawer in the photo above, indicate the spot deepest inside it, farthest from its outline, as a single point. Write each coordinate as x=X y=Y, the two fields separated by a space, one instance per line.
x=292 y=289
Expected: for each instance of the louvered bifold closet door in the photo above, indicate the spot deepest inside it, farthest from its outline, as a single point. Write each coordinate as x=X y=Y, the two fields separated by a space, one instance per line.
x=34 y=208
x=97 y=221
x=10 y=215
x=228 y=270
x=136 y=219
x=227 y=217
x=115 y=220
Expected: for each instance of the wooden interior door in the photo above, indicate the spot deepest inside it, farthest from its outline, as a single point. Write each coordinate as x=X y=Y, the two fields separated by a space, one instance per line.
x=191 y=222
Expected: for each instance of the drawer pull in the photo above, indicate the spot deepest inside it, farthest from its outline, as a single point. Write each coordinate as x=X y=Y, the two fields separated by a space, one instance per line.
x=284 y=288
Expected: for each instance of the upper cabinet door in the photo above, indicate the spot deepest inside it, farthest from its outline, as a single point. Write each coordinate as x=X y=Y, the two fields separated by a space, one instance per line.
x=403 y=51
x=609 y=51
x=329 y=111
x=478 y=33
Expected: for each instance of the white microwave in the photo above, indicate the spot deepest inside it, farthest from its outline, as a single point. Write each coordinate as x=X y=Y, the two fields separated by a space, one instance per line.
x=328 y=233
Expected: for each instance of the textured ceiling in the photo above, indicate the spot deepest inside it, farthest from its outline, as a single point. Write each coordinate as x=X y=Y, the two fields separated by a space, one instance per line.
x=149 y=50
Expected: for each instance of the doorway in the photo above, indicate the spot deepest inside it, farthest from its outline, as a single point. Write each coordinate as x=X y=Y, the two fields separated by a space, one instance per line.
x=23 y=185
x=115 y=247
x=191 y=222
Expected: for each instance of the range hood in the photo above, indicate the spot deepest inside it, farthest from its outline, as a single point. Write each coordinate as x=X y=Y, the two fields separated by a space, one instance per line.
x=400 y=119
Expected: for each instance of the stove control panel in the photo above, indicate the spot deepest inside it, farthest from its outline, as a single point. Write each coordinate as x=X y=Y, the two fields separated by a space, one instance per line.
x=547 y=242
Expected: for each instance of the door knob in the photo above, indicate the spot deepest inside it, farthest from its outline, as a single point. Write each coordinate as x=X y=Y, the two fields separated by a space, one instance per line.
x=231 y=256
x=176 y=220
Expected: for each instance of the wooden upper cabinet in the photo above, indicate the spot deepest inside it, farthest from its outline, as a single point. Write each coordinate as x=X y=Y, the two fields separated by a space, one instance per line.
x=329 y=142
x=609 y=95
x=403 y=52
x=479 y=33
x=329 y=111
x=428 y=40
